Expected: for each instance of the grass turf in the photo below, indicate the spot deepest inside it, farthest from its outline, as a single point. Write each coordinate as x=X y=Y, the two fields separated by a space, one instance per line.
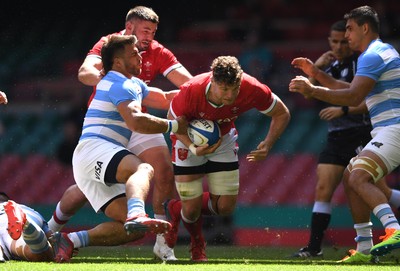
x=220 y=258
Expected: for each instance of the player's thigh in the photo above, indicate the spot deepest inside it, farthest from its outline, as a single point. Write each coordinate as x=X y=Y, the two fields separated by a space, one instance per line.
x=139 y=143
x=160 y=158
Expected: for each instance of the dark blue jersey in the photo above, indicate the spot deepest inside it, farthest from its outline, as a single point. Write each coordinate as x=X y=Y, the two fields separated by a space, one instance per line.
x=345 y=71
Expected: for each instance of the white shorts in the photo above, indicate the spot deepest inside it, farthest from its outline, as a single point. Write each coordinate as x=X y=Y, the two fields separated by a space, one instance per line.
x=90 y=161
x=141 y=142
x=227 y=152
x=385 y=143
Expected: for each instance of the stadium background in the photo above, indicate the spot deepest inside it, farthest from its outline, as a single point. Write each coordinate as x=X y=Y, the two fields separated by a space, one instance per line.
x=42 y=46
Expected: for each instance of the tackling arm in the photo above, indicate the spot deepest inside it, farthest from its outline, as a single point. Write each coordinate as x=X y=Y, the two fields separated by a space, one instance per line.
x=351 y=96
x=145 y=123
x=179 y=76
x=91 y=71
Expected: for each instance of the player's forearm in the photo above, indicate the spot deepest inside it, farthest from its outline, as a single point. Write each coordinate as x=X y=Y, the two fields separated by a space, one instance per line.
x=328 y=81
x=89 y=77
x=337 y=97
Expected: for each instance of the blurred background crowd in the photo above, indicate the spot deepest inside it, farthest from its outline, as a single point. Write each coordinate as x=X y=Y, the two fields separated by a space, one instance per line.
x=43 y=45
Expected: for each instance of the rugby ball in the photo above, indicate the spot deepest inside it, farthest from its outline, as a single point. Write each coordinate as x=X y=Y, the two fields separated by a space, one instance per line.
x=201 y=132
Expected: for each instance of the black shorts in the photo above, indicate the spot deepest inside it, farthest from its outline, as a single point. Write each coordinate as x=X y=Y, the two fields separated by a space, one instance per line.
x=343 y=145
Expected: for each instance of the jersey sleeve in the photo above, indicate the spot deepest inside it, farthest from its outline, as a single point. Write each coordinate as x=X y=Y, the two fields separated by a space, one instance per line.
x=169 y=61
x=262 y=97
x=370 y=65
x=127 y=91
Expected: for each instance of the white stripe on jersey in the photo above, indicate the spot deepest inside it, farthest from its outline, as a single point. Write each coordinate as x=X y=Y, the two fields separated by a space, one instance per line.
x=389 y=75
x=269 y=109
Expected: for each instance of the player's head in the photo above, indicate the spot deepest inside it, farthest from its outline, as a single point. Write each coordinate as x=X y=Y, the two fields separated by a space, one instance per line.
x=338 y=42
x=226 y=79
x=362 y=26
x=119 y=53
x=142 y=22
x=4 y=197
x=364 y=15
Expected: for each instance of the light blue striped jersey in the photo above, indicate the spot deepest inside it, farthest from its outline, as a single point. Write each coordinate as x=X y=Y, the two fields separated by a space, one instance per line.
x=32 y=215
x=381 y=63
x=102 y=118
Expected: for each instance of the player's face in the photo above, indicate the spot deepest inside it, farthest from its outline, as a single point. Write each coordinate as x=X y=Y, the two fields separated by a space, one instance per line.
x=339 y=45
x=354 y=35
x=145 y=32
x=224 y=94
x=132 y=61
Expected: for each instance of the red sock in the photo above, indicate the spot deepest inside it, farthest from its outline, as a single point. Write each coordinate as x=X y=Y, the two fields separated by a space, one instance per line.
x=204 y=205
x=176 y=206
x=195 y=229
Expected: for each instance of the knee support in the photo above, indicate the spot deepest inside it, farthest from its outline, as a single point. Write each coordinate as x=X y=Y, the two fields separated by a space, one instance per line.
x=224 y=182
x=190 y=190
x=367 y=164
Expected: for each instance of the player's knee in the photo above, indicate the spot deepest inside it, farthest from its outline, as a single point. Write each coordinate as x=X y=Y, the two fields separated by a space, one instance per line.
x=360 y=165
x=226 y=210
x=147 y=169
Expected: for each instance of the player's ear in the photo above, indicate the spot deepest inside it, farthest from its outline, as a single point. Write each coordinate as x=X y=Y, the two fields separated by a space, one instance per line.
x=129 y=26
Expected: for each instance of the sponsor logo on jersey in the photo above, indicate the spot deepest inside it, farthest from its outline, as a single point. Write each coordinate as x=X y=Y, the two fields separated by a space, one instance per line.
x=183 y=154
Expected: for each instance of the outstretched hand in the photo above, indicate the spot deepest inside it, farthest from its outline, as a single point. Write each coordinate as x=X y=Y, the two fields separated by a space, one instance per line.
x=306 y=65
x=259 y=154
x=301 y=85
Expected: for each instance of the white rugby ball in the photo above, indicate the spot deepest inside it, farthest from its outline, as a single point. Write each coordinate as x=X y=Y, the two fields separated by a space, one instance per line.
x=201 y=132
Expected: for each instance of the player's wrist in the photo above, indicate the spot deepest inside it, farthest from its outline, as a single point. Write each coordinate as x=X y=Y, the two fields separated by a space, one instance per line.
x=314 y=72
x=193 y=149
x=172 y=126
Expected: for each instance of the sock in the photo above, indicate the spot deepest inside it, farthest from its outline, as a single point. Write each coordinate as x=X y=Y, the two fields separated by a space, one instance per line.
x=80 y=238
x=58 y=220
x=35 y=237
x=395 y=198
x=385 y=214
x=176 y=207
x=364 y=237
x=194 y=228
x=319 y=224
x=320 y=218
x=135 y=207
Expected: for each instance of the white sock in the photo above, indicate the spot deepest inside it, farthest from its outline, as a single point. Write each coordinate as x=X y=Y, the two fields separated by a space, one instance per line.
x=385 y=214
x=80 y=238
x=364 y=237
x=58 y=220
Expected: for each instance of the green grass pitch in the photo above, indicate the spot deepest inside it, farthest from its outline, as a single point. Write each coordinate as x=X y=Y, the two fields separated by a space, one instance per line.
x=221 y=258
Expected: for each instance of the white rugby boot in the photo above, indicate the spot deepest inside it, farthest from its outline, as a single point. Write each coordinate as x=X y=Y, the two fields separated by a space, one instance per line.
x=162 y=251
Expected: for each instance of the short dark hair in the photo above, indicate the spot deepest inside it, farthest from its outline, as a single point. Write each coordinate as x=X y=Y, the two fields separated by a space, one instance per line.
x=4 y=197
x=364 y=15
x=142 y=13
x=339 y=26
x=114 y=45
x=226 y=70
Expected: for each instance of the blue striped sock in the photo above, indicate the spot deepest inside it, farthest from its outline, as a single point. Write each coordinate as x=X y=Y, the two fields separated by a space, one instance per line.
x=35 y=238
x=135 y=207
